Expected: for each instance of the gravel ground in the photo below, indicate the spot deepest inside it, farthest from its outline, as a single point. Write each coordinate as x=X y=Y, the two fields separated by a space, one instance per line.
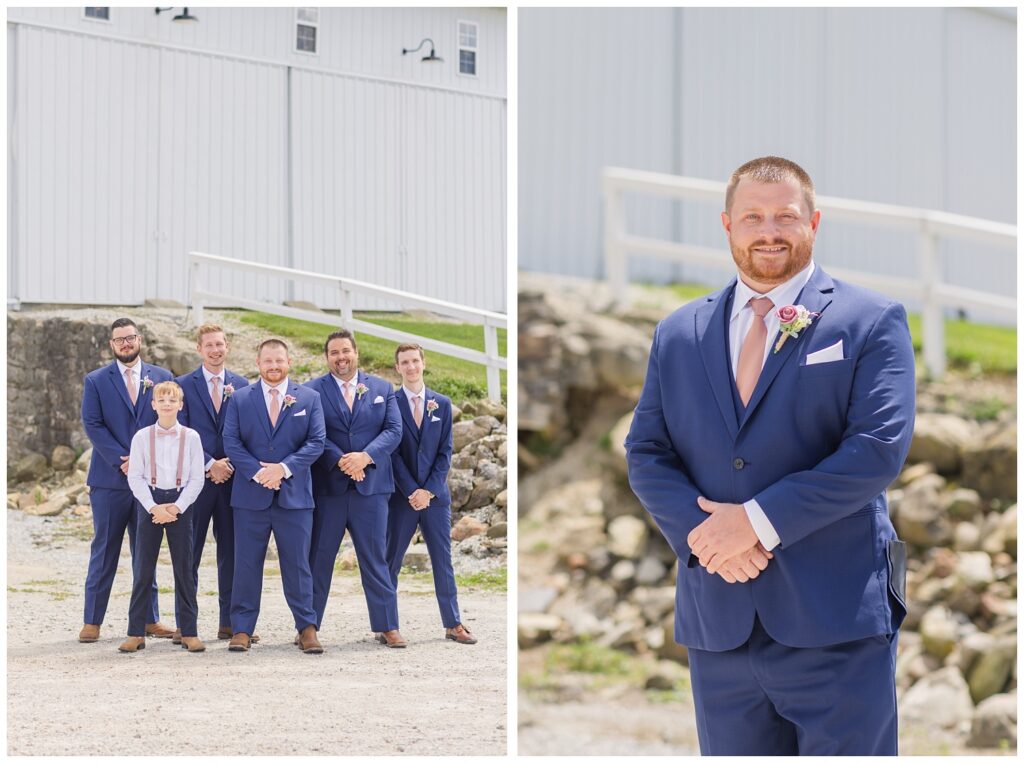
x=358 y=698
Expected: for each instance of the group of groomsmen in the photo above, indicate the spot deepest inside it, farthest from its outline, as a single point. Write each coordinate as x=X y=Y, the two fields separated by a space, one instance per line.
x=344 y=452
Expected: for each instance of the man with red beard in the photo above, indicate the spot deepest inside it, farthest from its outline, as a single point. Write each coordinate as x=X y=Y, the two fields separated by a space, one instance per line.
x=774 y=414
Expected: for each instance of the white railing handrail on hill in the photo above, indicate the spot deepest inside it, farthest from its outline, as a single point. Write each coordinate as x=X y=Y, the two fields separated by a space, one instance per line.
x=928 y=224
x=347 y=287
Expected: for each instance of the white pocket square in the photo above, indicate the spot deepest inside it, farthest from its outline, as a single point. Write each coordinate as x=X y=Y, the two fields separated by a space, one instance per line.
x=300 y=413
x=828 y=355
x=434 y=418
x=378 y=399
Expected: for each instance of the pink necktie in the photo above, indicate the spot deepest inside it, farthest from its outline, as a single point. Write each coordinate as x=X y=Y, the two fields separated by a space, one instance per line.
x=133 y=393
x=215 y=394
x=417 y=414
x=752 y=352
x=275 y=406
x=348 y=394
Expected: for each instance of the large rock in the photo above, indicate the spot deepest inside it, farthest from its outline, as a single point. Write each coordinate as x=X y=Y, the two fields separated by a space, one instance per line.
x=962 y=503
x=966 y=537
x=488 y=407
x=939 y=630
x=627 y=537
x=617 y=444
x=990 y=463
x=63 y=458
x=650 y=571
x=974 y=570
x=666 y=675
x=536 y=627
x=466 y=432
x=995 y=723
x=992 y=669
x=940 y=439
x=919 y=518
x=460 y=485
x=1008 y=524
x=30 y=468
x=466 y=528
x=939 y=700
x=82 y=464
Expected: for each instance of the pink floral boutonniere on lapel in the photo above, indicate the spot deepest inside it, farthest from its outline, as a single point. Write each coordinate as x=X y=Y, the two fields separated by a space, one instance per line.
x=289 y=400
x=229 y=390
x=792 y=320
x=147 y=384
x=361 y=389
x=432 y=405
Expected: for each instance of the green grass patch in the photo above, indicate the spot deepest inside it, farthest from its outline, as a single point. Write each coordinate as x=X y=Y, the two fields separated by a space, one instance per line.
x=458 y=379
x=164 y=589
x=489 y=580
x=587 y=657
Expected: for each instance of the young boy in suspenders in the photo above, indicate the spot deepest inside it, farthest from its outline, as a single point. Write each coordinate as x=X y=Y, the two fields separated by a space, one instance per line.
x=165 y=474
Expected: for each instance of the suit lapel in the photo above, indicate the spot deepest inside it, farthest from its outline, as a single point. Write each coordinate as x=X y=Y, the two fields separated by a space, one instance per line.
x=199 y=380
x=713 y=340
x=408 y=422
x=357 y=399
x=286 y=410
x=259 y=405
x=120 y=387
x=142 y=402
x=815 y=296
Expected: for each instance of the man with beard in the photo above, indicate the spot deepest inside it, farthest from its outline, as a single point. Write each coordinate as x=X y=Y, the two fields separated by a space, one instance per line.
x=208 y=393
x=774 y=414
x=353 y=481
x=273 y=431
x=116 y=403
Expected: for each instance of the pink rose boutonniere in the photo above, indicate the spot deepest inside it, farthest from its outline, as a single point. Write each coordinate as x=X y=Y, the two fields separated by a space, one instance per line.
x=361 y=389
x=229 y=390
x=432 y=405
x=147 y=384
x=792 y=320
x=289 y=400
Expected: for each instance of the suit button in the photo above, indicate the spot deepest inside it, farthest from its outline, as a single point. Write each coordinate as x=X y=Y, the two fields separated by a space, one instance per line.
x=738 y=464
x=272 y=447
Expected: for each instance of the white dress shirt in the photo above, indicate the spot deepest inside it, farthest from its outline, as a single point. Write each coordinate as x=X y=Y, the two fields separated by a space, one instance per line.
x=208 y=375
x=136 y=374
x=282 y=390
x=739 y=324
x=140 y=469
x=422 y=395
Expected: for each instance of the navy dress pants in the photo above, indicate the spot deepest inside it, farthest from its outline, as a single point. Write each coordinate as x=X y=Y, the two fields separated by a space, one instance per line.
x=435 y=522
x=366 y=517
x=113 y=511
x=214 y=505
x=179 y=541
x=765 y=698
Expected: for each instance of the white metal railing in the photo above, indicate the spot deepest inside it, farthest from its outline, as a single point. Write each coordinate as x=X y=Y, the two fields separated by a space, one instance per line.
x=347 y=287
x=929 y=224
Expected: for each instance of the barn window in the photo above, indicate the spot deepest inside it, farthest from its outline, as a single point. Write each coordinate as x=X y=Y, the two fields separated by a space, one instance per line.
x=97 y=14
x=467 y=48
x=307 y=23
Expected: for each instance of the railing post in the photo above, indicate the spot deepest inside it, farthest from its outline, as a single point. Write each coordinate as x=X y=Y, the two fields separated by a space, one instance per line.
x=614 y=230
x=194 y=285
x=345 y=310
x=493 y=374
x=933 y=330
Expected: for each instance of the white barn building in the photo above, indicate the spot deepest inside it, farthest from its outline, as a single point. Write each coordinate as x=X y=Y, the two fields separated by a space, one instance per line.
x=299 y=137
x=905 y=106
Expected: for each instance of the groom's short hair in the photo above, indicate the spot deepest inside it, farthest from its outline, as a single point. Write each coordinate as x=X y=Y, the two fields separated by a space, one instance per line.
x=272 y=342
x=341 y=334
x=408 y=346
x=121 y=323
x=771 y=169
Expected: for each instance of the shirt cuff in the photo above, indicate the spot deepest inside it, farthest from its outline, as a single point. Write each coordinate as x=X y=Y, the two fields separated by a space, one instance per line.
x=287 y=471
x=762 y=527
x=209 y=464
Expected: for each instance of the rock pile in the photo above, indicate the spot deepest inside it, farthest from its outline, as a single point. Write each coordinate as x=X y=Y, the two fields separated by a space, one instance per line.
x=594 y=567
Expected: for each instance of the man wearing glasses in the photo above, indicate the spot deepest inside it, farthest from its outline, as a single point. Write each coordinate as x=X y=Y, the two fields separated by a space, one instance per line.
x=115 y=405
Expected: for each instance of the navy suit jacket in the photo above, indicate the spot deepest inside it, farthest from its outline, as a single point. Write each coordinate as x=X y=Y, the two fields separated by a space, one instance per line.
x=816 y=447
x=198 y=412
x=424 y=456
x=373 y=425
x=297 y=441
x=110 y=420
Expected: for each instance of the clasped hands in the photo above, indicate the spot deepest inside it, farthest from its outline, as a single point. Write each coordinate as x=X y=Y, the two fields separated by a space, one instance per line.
x=420 y=499
x=164 y=513
x=220 y=471
x=354 y=465
x=270 y=476
x=725 y=542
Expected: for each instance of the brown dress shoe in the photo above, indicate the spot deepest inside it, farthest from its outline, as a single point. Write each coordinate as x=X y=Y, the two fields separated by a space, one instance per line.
x=158 y=630
x=379 y=638
x=239 y=642
x=459 y=634
x=132 y=644
x=176 y=638
x=193 y=644
x=89 y=633
x=308 y=642
x=393 y=640
x=224 y=632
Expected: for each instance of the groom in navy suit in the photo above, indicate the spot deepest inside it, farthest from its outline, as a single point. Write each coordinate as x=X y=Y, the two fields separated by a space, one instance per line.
x=774 y=415
x=353 y=480
x=116 y=403
x=273 y=431
x=208 y=394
